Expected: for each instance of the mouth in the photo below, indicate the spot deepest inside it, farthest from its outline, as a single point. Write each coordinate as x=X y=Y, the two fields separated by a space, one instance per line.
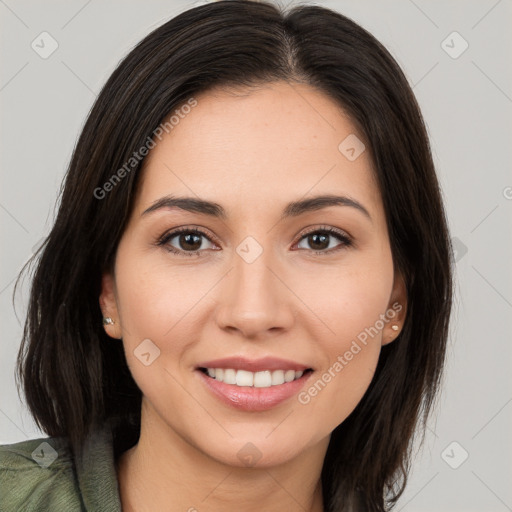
x=252 y=391
x=261 y=379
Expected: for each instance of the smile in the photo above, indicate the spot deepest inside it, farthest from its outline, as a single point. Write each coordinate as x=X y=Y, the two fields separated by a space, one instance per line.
x=261 y=379
x=252 y=391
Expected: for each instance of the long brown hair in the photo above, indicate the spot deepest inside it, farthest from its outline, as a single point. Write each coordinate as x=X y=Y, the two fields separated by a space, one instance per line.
x=74 y=378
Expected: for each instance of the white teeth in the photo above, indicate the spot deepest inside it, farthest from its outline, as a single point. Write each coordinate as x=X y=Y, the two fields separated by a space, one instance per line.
x=289 y=375
x=229 y=376
x=244 y=378
x=263 y=379
x=278 y=377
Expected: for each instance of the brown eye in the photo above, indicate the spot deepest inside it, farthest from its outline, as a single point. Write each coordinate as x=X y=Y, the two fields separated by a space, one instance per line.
x=324 y=240
x=189 y=241
x=185 y=241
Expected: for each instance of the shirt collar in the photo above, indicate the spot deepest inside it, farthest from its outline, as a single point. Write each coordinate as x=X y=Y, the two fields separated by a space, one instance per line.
x=96 y=473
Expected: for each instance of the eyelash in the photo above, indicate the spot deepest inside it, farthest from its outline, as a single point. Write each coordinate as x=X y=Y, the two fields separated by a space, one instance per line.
x=345 y=240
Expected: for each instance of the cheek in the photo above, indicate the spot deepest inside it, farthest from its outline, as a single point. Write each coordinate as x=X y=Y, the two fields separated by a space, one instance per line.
x=346 y=300
x=335 y=391
x=155 y=303
x=154 y=296
x=349 y=354
x=347 y=325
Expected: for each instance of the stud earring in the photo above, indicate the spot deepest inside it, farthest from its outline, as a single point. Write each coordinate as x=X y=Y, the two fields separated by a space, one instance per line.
x=108 y=321
x=394 y=327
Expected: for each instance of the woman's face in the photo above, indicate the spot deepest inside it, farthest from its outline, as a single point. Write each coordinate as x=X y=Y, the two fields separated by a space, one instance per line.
x=268 y=280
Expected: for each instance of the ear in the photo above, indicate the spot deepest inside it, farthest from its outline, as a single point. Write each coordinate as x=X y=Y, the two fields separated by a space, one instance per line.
x=396 y=311
x=108 y=305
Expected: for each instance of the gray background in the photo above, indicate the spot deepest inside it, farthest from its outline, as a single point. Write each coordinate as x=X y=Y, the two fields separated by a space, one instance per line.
x=467 y=105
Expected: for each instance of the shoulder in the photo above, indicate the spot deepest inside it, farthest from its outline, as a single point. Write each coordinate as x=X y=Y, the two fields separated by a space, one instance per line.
x=38 y=474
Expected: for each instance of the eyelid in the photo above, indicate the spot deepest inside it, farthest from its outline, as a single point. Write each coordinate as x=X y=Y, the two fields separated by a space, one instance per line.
x=171 y=233
x=324 y=228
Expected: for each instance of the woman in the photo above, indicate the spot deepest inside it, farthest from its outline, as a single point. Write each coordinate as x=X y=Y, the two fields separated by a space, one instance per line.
x=244 y=301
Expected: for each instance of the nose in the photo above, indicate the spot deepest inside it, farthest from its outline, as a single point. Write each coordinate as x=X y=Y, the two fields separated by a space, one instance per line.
x=255 y=300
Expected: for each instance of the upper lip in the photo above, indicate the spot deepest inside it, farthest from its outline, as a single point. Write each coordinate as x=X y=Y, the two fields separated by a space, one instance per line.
x=254 y=365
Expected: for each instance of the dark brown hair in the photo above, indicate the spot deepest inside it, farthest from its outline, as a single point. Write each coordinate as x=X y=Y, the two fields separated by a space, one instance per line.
x=75 y=378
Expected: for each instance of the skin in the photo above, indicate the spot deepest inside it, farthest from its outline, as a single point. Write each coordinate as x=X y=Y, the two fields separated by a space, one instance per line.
x=251 y=152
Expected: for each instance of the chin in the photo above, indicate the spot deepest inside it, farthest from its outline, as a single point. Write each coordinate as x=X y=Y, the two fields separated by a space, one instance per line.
x=257 y=450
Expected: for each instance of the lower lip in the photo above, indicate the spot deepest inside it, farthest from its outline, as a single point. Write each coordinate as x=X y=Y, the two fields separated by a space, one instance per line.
x=248 y=398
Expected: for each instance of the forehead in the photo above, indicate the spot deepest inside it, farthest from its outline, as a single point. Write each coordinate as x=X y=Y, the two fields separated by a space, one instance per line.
x=256 y=148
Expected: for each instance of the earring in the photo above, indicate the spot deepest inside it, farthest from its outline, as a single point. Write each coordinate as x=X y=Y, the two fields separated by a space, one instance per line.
x=394 y=327
x=108 y=321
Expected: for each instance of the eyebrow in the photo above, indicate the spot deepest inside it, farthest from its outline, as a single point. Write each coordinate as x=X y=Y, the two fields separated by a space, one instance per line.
x=293 y=209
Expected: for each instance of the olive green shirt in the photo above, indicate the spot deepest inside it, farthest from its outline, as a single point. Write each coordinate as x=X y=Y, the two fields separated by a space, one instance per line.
x=42 y=475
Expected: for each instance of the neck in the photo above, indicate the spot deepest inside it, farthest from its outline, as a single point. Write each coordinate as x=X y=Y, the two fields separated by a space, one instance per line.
x=165 y=472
